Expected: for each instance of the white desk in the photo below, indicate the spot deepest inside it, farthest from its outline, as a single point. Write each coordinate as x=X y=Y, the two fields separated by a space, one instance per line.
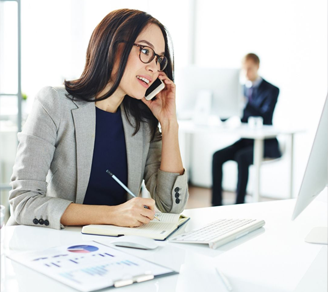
x=271 y=259
x=244 y=131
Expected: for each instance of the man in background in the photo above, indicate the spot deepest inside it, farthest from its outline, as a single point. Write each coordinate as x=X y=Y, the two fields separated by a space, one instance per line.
x=261 y=98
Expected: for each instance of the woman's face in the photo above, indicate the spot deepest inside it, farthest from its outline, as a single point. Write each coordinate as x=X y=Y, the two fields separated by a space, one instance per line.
x=135 y=70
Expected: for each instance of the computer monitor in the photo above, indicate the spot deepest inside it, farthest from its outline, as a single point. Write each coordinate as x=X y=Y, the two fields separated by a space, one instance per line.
x=223 y=84
x=315 y=178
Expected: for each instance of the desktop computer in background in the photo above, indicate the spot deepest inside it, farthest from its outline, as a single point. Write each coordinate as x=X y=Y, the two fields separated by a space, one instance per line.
x=205 y=95
x=315 y=178
x=208 y=91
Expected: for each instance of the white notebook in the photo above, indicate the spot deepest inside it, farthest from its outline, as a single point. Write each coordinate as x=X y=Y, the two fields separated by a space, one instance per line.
x=155 y=229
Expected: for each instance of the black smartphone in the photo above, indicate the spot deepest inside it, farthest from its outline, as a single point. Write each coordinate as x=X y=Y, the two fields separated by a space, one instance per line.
x=154 y=89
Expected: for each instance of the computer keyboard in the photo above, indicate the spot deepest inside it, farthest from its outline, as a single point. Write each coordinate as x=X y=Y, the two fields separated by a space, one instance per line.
x=219 y=232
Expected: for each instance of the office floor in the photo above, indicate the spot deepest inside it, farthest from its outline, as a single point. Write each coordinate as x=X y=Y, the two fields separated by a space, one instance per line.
x=201 y=197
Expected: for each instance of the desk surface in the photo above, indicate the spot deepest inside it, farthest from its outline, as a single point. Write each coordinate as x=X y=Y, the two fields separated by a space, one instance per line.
x=243 y=130
x=273 y=258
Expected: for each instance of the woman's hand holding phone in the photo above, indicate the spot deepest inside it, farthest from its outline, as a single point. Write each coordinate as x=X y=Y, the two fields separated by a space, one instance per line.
x=154 y=89
x=164 y=107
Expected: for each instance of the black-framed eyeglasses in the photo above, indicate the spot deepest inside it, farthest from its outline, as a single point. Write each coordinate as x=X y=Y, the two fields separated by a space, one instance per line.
x=147 y=54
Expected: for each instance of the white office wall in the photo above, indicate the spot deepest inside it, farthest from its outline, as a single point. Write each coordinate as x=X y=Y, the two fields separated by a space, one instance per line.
x=289 y=36
x=8 y=54
x=291 y=39
x=55 y=35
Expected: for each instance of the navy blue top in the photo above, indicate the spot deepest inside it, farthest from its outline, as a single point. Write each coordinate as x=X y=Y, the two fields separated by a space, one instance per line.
x=109 y=153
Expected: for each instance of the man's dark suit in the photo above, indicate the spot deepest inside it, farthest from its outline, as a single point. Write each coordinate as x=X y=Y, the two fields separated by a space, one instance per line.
x=262 y=103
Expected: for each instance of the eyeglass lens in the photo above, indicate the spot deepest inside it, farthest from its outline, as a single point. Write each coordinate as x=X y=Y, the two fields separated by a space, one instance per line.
x=147 y=55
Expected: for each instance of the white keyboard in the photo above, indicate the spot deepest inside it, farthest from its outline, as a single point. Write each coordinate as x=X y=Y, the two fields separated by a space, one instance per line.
x=219 y=232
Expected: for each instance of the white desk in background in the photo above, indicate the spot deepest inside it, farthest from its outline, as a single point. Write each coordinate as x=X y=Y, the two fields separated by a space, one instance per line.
x=187 y=128
x=272 y=259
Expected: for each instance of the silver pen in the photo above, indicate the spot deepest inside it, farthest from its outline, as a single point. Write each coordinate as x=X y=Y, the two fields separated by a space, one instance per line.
x=126 y=188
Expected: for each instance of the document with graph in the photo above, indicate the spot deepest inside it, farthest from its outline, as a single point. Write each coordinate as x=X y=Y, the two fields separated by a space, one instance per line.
x=90 y=266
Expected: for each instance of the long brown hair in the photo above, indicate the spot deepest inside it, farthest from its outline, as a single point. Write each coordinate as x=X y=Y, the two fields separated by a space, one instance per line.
x=118 y=27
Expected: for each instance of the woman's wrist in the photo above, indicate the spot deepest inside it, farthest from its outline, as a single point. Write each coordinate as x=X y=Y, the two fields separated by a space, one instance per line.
x=80 y=214
x=107 y=215
x=169 y=126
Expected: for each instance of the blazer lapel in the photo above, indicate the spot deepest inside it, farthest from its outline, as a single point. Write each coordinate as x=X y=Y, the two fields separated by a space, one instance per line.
x=259 y=92
x=85 y=124
x=133 y=152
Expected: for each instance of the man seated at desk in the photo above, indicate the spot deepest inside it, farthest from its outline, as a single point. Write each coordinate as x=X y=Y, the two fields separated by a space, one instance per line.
x=261 y=97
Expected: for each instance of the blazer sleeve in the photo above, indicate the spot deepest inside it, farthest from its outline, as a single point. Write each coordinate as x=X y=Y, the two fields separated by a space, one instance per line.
x=169 y=190
x=37 y=142
x=265 y=110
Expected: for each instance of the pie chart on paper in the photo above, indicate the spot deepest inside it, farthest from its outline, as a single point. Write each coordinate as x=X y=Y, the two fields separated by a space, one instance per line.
x=82 y=248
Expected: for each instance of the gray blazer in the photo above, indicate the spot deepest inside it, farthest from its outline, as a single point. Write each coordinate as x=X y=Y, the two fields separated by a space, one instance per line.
x=54 y=157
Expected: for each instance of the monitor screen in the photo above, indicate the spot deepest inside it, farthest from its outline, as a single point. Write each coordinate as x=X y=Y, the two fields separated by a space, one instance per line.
x=315 y=178
x=223 y=84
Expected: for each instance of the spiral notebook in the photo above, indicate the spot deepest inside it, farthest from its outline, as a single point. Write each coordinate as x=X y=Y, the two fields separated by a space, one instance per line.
x=155 y=229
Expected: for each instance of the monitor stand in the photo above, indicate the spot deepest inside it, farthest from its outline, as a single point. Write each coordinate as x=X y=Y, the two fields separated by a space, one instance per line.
x=317 y=235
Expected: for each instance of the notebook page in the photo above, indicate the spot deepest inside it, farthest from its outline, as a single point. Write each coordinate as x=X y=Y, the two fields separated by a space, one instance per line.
x=166 y=218
x=152 y=229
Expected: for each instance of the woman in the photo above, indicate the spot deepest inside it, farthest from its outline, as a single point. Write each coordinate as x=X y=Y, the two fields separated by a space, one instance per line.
x=102 y=121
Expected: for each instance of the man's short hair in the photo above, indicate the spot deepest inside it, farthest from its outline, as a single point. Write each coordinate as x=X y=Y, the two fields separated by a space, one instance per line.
x=253 y=57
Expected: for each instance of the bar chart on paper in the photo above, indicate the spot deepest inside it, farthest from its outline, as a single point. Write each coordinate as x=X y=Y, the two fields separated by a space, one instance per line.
x=88 y=267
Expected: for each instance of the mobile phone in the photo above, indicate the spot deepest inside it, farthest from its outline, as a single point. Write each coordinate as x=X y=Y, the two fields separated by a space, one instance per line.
x=154 y=89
